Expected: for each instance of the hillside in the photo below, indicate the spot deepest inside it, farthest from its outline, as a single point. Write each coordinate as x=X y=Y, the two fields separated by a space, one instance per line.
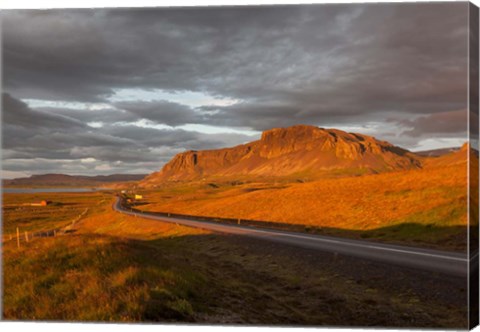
x=425 y=206
x=456 y=157
x=299 y=151
x=71 y=180
x=419 y=204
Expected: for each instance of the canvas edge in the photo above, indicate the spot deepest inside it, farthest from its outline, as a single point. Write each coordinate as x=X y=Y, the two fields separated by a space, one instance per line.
x=473 y=170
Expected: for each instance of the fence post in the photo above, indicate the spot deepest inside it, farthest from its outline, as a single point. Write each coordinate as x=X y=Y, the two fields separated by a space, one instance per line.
x=238 y=221
x=10 y=237
x=26 y=236
x=54 y=232
x=18 y=238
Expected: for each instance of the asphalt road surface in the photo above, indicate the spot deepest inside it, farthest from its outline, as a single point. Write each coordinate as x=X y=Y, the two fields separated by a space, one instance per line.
x=451 y=263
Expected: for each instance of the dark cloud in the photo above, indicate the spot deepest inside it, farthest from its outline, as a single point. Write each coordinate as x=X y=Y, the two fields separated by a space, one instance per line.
x=108 y=115
x=381 y=56
x=162 y=111
x=17 y=113
x=446 y=123
x=176 y=138
x=84 y=54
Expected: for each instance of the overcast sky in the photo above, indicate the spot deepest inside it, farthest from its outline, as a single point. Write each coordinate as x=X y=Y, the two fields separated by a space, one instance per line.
x=123 y=90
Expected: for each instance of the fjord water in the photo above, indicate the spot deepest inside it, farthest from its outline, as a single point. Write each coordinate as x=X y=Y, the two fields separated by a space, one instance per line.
x=48 y=190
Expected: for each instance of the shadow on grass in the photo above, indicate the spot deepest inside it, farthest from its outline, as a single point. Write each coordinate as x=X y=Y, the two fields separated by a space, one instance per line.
x=218 y=280
x=63 y=204
x=139 y=203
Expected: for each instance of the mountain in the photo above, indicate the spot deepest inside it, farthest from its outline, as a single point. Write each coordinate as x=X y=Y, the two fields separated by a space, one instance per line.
x=71 y=180
x=117 y=177
x=297 y=151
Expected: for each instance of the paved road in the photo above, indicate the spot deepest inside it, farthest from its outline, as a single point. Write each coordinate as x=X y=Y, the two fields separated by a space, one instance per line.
x=425 y=259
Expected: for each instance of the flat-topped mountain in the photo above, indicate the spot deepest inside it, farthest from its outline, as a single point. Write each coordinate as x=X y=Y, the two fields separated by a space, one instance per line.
x=71 y=180
x=294 y=151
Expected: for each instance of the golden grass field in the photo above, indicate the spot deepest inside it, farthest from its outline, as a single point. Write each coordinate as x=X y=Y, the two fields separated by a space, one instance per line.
x=425 y=207
x=121 y=268
x=65 y=208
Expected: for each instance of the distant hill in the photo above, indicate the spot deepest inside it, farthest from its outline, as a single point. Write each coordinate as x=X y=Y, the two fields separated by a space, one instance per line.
x=296 y=151
x=71 y=180
x=437 y=152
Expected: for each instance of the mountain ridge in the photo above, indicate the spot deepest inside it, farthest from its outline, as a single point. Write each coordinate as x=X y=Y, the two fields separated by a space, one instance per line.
x=299 y=149
x=68 y=180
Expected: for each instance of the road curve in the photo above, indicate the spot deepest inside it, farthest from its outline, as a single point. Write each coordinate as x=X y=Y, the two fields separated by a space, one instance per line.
x=425 y=259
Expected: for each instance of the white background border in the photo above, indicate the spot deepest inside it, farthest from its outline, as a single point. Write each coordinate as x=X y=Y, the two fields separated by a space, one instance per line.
x=70 y=327
x=18 y=4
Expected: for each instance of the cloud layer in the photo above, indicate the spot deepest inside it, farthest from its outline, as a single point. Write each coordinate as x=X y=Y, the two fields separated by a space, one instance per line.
x=396 y=71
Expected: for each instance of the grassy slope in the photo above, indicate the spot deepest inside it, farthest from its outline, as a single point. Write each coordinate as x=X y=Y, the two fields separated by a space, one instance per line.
x=423 y=206
x=121 y=268
x=89 y=275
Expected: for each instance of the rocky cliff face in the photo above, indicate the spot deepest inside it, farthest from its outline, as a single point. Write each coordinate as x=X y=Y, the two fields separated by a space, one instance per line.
x=289 y=151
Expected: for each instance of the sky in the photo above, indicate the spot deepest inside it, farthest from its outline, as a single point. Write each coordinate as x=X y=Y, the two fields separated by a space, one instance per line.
x=103 y=91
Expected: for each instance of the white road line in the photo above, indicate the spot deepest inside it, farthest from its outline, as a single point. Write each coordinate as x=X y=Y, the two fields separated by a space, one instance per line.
x=363 y=245
x=316 y=239
x=422 y=254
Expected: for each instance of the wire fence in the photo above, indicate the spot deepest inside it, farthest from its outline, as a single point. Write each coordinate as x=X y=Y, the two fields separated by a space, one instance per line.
x=26 y=236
